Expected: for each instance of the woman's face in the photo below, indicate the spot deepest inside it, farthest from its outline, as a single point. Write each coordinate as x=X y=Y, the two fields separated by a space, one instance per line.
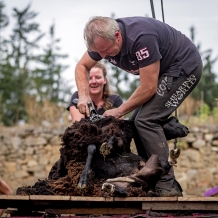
x=96 y=81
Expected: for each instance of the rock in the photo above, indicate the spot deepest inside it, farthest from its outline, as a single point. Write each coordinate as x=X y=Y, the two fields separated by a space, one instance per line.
x=190 y=158
x=30 y=141
x=21 y=174
x=55 y=140
x=190 y=138
x=192 y=175
x=16 y=142
x=208 y=137
x=204 y=130
x=214 y=149
x=32 y=163
x=11 y=167
x=199 y=143
x=215 y=143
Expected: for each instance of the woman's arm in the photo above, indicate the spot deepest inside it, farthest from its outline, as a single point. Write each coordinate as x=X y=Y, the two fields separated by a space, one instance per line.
x=75 y=114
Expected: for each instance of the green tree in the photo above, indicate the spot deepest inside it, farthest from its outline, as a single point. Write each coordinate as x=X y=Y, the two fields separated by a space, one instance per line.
x=18 y=57
x=47 y=79
x=4 y=21
x=28 y=71
x=208 y=84
x=4 y=64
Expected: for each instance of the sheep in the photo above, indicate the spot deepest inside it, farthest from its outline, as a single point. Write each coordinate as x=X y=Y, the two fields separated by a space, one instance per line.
x=96 y=160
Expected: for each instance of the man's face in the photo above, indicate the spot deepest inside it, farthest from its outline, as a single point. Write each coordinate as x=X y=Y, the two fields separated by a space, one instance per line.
x=108 y=47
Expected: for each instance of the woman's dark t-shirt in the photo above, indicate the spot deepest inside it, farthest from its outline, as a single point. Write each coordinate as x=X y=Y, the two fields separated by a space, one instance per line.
x=115 y=100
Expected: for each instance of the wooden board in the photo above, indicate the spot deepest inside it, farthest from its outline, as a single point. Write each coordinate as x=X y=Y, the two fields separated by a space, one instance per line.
x=98 y=211
x=102 y=205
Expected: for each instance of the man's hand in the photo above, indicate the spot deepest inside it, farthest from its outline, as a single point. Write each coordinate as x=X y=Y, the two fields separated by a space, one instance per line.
x=113 y=112
x=83 y=105
x=82 y=76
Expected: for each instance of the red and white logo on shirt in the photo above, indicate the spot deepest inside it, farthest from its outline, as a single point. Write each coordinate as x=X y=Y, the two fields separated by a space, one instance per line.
x=142 y=54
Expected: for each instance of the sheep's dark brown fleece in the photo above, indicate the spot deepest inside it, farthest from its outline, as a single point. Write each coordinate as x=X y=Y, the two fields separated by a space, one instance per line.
x=65 y=174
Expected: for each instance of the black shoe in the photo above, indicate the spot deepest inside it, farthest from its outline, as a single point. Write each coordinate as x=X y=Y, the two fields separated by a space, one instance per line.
x=174 y=129
x=175 y=191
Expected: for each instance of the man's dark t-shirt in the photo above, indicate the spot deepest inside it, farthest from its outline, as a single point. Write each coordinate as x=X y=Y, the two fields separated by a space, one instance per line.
x=115 y=100
x=146 y=40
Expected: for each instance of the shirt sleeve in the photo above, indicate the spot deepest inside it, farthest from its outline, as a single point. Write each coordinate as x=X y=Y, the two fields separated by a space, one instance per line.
x=94 y=55
x=116 y=100
x=146 y=50
x=75 y=95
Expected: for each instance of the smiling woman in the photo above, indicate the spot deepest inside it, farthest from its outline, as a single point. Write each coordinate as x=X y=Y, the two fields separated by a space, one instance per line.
x=99 y=91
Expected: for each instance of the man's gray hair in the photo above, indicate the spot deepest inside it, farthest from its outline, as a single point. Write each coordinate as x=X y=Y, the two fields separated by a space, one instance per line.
x=100 y=26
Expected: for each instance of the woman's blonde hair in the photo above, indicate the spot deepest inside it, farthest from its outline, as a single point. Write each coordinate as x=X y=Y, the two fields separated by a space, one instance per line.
x=106 y=89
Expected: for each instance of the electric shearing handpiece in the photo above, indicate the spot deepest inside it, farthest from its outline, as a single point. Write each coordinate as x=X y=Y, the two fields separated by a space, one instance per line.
x=94 y=116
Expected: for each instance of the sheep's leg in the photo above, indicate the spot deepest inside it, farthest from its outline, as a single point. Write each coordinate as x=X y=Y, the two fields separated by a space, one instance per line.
x=106 y=147
x=84 y=177
x=109 y=189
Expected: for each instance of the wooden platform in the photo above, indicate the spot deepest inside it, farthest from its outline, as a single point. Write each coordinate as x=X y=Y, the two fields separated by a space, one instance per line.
x=102 y=205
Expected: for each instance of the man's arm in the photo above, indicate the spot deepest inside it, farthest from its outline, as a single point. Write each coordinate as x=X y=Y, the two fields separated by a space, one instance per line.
x=147 y=88
x=81 y=76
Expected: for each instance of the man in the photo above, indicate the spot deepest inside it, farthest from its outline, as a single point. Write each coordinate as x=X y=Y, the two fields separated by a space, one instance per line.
x=169 y=66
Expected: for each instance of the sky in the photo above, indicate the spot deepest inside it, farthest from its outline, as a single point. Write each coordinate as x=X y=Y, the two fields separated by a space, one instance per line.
x=70 y=17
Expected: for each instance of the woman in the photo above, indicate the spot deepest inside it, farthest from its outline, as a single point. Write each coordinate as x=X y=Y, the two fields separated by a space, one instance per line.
x=99 y=92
